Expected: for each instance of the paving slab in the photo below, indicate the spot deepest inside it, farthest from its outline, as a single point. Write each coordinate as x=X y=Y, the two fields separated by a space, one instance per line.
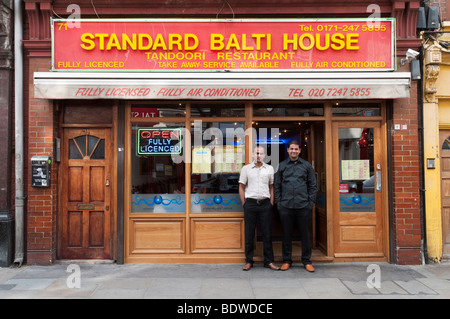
x=415 y=287
x=391 y=288
x=226 y=288
x=30 y=284
x=325 y=288
x=360 y=288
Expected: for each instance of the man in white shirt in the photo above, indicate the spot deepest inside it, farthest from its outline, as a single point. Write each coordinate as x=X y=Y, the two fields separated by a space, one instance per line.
x=257 y=195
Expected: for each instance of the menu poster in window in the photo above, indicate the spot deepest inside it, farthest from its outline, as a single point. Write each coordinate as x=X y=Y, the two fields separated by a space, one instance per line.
x=355 y=169
x=159 y=141
x=201 y=160
x=228 y=159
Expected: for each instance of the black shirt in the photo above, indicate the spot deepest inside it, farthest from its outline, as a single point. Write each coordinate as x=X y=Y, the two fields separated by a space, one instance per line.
x=295 y=184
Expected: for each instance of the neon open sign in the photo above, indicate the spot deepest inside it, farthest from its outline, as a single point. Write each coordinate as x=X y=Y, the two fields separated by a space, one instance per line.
x=159 y=141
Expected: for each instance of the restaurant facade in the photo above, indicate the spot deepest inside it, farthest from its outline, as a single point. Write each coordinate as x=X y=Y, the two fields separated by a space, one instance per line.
x=138 y=119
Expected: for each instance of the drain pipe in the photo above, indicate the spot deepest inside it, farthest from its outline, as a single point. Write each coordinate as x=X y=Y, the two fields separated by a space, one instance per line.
x=18 y=109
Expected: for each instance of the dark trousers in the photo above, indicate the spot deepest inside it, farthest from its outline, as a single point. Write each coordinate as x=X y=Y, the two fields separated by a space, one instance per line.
x=302 y=219
x=254 y=212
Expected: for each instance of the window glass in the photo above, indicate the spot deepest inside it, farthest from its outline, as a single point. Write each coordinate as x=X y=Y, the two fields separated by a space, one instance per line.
x=218 y=110
x=157 y=168
x=349 y=109
x=218 y=155
x=356 y=170
x=284 y=109
x=87 y=145
x=99 y=151
x=158 y=110
x=81 y=143
x=446 y=144
x=74 y=151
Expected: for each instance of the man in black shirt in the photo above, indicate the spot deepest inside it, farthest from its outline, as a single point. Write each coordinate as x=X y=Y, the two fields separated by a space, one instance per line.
x=295 y=193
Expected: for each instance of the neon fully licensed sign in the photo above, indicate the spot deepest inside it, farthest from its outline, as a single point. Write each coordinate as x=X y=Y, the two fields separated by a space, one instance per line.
x=159 y=141
x=234 y=45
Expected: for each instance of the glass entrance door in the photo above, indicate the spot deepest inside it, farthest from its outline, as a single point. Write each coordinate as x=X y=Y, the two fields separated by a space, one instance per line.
x=358 y=172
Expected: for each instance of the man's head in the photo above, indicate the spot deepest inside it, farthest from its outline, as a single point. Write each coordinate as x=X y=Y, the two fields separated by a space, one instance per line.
x=259 y=154
x=294 y=150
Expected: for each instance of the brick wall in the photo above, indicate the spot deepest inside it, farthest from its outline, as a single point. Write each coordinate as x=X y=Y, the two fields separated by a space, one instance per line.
x=443 y=8
x=406 y=175
x=40 y=130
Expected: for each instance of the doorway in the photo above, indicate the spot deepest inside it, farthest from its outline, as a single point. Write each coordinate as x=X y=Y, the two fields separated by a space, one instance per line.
x=445 y=190
x=275 y=137
x=86 y=194
x=359 y=184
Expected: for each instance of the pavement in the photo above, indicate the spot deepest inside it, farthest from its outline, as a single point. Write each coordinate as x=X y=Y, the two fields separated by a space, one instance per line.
x=184 y=282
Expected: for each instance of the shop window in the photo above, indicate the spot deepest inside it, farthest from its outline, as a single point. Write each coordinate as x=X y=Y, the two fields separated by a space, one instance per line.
x=87 y=145
x=158 y=168
x=218 y=155
x=158 y=110
x=446 y=145
x=352 y=109
x=270 y=110
x=218 y=110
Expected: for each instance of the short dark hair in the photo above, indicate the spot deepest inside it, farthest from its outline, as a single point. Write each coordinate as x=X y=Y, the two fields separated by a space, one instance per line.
x=293 y=142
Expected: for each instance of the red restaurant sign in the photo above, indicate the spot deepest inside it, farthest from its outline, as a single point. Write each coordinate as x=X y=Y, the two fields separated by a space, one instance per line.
x=235 y=45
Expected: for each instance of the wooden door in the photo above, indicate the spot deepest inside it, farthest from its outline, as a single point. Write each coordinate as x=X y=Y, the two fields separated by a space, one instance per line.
x=358 y=190
x=86 y=194
x=444 y=138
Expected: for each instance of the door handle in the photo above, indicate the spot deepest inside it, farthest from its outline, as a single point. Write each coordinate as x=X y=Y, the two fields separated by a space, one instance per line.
x=378 y=181
x=107 y=183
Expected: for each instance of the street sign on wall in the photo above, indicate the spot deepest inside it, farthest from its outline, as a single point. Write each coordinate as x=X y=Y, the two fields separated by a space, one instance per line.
x=224 y=45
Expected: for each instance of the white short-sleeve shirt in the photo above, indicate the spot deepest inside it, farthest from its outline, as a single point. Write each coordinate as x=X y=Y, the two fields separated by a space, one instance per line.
x=257 y=180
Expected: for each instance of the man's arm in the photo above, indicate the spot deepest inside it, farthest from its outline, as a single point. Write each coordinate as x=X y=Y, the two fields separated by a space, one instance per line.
x=272 y=196
x=312 y=185
x=243 y=179
x=277 y=186
x=242 y=193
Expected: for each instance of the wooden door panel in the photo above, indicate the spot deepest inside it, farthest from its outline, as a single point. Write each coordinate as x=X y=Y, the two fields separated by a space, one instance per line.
x=445 y=192
x=86 y=208
x=75 y=184
x=96 y=231
x=75 y=229
x=445 y=165
x=217 y=235
x=445 y=189
x=358 y=219
x=446 y=233
x=97 y=184
x=353 y=234
x=158 y=236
